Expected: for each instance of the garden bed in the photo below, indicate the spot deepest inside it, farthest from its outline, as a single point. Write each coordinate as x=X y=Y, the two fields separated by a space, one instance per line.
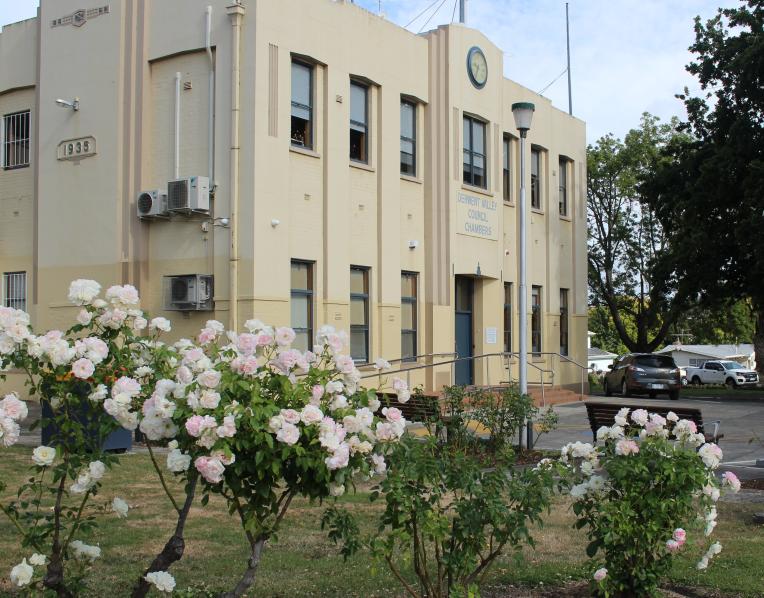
x=304 y=563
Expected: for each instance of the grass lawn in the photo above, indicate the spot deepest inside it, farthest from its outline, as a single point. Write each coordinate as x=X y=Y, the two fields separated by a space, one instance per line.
x=304 y=563
x=722 y=391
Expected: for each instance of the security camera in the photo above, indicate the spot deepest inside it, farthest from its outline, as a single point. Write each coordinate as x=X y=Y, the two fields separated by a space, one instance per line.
x=73 y=104
x=224 y=221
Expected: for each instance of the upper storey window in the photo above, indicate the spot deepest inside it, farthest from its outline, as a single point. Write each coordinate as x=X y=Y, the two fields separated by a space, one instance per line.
x=536 y=179
x=15 y=140
x=474 y=152
x=302 y=104
x=359 y=122
x=408 y=138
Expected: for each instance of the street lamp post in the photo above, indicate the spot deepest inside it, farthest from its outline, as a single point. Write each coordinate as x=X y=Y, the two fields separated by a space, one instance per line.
x=523 y=113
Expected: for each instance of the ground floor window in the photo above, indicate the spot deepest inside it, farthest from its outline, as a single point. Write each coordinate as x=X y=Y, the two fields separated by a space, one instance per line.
x=359 y=314
x=301 y=304
x=563 y=321
x=507 y=317
x=408 y=316
x=536 y=319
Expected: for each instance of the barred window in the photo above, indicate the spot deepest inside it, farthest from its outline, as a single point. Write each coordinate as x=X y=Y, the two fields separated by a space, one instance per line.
x=15 y=140
x=15 y=290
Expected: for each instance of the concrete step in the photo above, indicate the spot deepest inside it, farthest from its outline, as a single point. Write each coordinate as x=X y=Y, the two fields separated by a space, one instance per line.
x=553 y=396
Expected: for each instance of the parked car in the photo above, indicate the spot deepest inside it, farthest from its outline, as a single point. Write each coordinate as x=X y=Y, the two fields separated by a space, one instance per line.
x=643 y=373
x=730 y=373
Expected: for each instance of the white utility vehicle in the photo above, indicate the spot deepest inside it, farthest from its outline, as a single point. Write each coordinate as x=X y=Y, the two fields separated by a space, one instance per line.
x=729 y=373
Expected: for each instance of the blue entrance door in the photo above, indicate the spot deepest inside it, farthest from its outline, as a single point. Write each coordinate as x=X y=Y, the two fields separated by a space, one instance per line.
x=464 y=292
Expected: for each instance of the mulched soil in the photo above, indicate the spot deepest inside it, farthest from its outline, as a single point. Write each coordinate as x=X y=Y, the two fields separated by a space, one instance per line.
x=580 y=589
x=752 y=484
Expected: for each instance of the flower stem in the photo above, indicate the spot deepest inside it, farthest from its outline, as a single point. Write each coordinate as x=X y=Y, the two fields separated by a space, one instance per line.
x=161 y=478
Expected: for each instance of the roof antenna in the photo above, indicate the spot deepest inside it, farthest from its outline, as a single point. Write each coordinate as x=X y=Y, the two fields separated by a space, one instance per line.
x=463 y=11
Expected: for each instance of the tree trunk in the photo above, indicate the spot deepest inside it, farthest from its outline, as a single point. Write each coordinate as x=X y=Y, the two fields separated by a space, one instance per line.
x=248 y=578
x=175 y=546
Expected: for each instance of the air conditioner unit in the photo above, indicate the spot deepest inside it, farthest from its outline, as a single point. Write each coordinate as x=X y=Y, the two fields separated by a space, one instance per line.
x=188 y=292
x=191 y=194
x=152 y=203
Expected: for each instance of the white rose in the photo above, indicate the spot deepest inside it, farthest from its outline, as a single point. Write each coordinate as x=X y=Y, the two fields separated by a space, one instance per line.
x=97 y=469
x=84 y=317
x=83 y=291
x=43 y=455
x=38 y=559
x=140 y=323
x=21 y=574
x=177 y=461
x=120 y=507
x=162 y=324
x=161 y=580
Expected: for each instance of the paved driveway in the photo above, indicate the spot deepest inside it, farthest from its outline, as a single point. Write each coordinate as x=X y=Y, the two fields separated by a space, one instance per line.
x=741 y=421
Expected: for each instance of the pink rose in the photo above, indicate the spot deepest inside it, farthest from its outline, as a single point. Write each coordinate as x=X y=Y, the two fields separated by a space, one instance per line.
x=680 y=535
x=83 y=368
x=316 y=393
x=392 y=414
x=600 y=574
x=284 y=336
x=290 y=416
x=731 y=481
x=194 y=425
x=311 y=415
x=228 y=429
x=263 y=339
x=672 y=545
x=206 y=336
x=14 y=408
x=626 y=447
x=211 y=469
x=209 y=378
x=184 y=375
x=288 y=434
x=247 y=343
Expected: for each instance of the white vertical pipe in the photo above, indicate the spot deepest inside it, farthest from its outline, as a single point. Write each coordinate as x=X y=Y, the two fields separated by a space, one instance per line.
x=176 y=165
x=211 y=101
x=236 y=11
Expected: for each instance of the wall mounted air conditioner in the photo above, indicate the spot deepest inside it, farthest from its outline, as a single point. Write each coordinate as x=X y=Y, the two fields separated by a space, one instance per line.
x=188 y=292
x=190 y=194
x=152 y=204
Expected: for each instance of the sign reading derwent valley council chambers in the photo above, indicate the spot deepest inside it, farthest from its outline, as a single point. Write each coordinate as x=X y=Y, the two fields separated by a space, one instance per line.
x=477 y=217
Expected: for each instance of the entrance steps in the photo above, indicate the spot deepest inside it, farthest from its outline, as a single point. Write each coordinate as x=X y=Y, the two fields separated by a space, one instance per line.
x=553 y=395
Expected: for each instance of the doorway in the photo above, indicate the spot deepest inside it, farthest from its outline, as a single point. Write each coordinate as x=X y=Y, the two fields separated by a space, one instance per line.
x=464 y=371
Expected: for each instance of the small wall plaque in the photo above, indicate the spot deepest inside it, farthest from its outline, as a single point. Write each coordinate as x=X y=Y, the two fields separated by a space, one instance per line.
x=76 y=149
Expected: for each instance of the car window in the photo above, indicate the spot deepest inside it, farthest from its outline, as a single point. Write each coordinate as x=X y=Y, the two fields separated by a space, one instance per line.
x=655 y=361
x=732 y=365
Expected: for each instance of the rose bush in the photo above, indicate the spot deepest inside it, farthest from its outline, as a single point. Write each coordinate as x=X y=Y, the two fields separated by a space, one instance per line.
x=636 y=492
x=243 y=414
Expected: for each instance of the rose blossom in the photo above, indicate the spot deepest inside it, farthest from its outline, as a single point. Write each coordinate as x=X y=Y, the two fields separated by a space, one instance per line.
x=209 y=378
x=21 y=574
x=161 y=580
x=43 y=455
x=731 y=481
x=639 y=417
x=228 y=429
x=13 y=407
x=206 y=336
x=290 y=416
x=120 y=507
x=38 y=559
x=83 y=368
x=84 y=317
x=626 y=447
x=284 y=336
x=83 y=291
x=209 y=399
x=162 y=324
x=672 y=545
x=288 y=434
x=211 y=469
x=311 y=414
x=679 y=535
x=600 y=574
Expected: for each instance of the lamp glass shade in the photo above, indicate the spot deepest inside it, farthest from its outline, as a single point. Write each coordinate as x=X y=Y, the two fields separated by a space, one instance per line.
x=523 y=113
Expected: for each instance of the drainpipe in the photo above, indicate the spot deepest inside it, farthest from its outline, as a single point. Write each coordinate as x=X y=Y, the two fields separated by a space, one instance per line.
x=211 y=113
x=176 y=164
x=236 y=12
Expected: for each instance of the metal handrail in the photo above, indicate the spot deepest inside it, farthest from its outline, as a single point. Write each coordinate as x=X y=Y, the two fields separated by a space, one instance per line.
x=451 y=362
x=584 y=369
x=414 y=359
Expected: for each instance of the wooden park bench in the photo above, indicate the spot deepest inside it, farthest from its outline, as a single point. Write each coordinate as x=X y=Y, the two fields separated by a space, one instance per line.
x=603 y=414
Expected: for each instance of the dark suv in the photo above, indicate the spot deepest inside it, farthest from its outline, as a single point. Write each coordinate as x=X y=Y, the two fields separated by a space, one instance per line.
x=643 y=373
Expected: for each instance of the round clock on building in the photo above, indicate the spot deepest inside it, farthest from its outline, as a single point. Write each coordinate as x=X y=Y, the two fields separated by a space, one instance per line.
x=477 y=67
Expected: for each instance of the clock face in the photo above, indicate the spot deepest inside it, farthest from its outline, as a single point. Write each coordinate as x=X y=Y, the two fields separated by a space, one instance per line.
x=477 y=67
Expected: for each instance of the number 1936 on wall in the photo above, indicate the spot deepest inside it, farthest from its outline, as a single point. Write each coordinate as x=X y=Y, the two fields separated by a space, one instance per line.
x=76 y=149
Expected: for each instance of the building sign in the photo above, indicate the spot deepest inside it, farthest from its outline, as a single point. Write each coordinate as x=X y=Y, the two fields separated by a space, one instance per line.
x=491 y=335
x=477 y=217
x=79 y=17
x=76 y=149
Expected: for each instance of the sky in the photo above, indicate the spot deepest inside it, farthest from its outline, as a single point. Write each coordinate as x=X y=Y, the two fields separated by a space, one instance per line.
x=627 y=56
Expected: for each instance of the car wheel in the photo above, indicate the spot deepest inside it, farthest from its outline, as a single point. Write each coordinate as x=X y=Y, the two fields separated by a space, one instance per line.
x=624 y=389
x=696 y=381
x=606 y=388
x=730 y=383
x=674 y=395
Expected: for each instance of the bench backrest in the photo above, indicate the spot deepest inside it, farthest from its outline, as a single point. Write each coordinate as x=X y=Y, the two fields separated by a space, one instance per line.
x=419 y=408
x=603 y=414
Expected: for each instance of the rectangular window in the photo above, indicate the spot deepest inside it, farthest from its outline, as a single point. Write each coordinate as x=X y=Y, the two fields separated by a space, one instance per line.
x=15 y=134
x=408 y=316
x=505 y=170
x=302 y=104
x=408 y=138
x=507 y=317
x=474 y=152
x=536 y=179
x=301 y=304
x=359 y=314
x=359 y=122
x=563 y=174
x=536 y=319
x=15 y=290
x=563 y=321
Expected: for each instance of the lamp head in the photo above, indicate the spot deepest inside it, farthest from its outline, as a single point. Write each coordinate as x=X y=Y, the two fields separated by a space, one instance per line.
x=73 y=104
x=523 y=113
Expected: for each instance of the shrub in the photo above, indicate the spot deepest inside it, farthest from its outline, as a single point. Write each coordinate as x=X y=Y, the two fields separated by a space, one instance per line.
x=637 y=492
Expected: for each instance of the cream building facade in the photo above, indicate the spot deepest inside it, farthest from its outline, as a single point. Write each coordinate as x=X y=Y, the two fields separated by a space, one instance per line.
x=360 y=175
